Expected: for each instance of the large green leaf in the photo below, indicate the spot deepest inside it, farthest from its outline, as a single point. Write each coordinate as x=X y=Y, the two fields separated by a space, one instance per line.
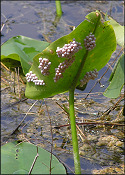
x=116 y=80
x=119 y=30
x=18 y=158
x=96 y=58
x=20 y=50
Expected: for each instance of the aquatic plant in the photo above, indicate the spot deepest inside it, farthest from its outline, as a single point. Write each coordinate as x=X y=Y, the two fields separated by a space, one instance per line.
x=70 y=62
x=72 y=57
x=58 y=8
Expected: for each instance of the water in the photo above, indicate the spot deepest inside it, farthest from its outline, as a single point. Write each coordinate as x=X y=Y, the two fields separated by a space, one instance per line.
x=36 y=19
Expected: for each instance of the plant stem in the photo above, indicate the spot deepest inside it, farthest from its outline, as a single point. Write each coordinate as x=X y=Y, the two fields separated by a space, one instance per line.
x=72 y=118
x=74 y=133
x=58 y=8
x=72 y=112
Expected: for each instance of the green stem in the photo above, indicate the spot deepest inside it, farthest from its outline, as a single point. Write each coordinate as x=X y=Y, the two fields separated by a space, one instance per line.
x=72 y=112
x=72 y=118
x=58 y=8
x=74 y=133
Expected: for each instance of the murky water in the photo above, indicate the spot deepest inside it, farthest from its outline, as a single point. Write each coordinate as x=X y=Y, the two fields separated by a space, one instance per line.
x=102 y=147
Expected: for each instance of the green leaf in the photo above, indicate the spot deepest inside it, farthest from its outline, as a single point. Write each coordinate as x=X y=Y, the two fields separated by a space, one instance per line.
x=119 y=30
x=117 y=80
x=17 y=159
x=20 y=50
x=96 y=58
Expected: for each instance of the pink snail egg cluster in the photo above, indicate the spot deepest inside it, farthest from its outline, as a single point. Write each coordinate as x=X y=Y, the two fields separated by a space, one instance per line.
x=39 y=82
x=61 y=68
x=68 y=50
x=89 y=42
x=44 y=66
x=33 y=78
x=88 y=76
